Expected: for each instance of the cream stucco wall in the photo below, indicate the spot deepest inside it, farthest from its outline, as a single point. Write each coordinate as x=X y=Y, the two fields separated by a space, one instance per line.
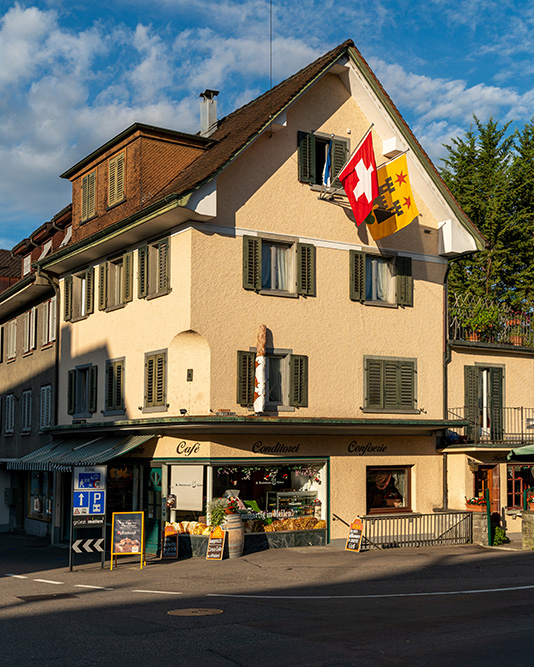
x=208 y=316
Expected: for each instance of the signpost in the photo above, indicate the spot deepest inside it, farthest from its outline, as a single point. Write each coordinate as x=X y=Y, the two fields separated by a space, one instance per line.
x=354 y=540
x=88 y=508
x=127 y=535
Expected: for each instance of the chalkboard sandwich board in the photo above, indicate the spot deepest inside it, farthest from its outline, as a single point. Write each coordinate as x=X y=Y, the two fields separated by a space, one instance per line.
x=127 y=534
x=216 y=544
x=354 y=540
x=169 y=542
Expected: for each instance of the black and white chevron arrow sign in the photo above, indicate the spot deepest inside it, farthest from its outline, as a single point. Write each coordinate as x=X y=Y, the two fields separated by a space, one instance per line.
x=85 y=545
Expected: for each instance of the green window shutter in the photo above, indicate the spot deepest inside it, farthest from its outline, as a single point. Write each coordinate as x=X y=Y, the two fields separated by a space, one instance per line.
x=390 y=398
x=85 y=197
x=339 y=157
x=119 y=385
x=357 y=275
x=251 y=262
x=112 y=182
x=245 y=378
x=142 y=272
x=404 y=281
x=92 y=390
x=159 y=379
x=406 y=384
x=91 y=194
x=298 y=381
x=110 y=383
x=102 y=286
x=163 y=266
x=306 y=157
x=89 y=291
x=127 y=277
x=71 y=392
x=496 y=403
x=120 y=177
x=150 y=364
x=306 y=269
x=373 y=383
x=471 y=382
x=67 y=283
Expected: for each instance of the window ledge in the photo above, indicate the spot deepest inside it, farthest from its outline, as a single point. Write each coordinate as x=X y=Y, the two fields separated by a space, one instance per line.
x=23 y=433
x=27 y=354
x=47 y=346
x=78 y=319
x=283 y=293
x=9 y=435
x=118 y=306
x=111 y=413
x=390 y=411
x=380 y=304
x=156 y=408
x=10 y=361
x=148 y=297
x=82 y=222
x=117 y=203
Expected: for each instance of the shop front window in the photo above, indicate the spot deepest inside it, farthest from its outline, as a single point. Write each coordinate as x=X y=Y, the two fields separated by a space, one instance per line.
x=40 y=502
x=520 y=478
x=120 y=489
x=388 y=490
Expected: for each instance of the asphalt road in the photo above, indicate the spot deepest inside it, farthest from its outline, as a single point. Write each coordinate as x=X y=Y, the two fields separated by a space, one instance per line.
x=308 y=606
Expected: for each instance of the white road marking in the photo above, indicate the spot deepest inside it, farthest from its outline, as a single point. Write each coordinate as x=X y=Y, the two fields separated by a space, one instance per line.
x=16 y=576
x=47 y=581
x=101 y=588
x=367 y=597
x=160 y=592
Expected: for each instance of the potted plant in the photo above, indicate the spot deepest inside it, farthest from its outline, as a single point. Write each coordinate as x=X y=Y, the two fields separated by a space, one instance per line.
x=216 y=510
x=475 y=504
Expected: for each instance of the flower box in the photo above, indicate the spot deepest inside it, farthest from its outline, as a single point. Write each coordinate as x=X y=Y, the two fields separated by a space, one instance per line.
x=475 y=508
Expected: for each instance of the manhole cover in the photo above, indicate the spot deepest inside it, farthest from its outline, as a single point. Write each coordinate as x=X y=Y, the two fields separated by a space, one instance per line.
x=195 y=612
x=51 y=596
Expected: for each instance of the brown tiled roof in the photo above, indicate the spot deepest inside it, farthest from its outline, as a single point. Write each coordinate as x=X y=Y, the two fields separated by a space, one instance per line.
x=9 y=266
x=238 y=128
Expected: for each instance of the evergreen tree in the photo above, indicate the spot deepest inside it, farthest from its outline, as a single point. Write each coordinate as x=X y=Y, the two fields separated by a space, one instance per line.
x=478 y=171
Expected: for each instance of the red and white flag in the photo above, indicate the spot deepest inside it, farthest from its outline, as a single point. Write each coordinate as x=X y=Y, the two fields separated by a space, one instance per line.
x=359 y=180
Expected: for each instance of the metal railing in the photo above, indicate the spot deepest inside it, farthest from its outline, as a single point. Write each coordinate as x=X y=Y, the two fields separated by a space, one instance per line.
x=417 y=530
x=511 y=425
x=480 y=319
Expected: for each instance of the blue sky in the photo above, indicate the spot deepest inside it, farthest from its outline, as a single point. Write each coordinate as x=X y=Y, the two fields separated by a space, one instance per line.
x=73 y=74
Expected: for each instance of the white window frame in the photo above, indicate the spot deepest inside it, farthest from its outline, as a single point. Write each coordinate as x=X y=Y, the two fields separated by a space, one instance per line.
x=79 y=288
x=48 y=321
x=47 y=247
x=26 y=411
x=9 y=417
x=45 y=411
x=26 y=264
x=372 y=262
x=67 y=237
x=268 y=249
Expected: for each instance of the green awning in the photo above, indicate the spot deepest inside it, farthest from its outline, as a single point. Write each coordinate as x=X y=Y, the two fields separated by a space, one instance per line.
x=522 y=453
x=62 y=455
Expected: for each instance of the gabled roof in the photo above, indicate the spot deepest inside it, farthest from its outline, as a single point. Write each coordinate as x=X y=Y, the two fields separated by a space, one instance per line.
x=238 y=129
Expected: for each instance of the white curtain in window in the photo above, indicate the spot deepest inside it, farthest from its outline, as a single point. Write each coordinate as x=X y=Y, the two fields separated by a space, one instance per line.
x=281 y=267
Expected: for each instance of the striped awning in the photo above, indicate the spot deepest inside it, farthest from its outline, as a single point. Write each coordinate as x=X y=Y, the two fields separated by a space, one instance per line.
x=62 y=455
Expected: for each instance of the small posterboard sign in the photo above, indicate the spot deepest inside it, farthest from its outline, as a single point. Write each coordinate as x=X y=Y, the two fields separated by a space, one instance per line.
x=169 y=542
x=216 y=544
x=127 y=535
x=354 y=540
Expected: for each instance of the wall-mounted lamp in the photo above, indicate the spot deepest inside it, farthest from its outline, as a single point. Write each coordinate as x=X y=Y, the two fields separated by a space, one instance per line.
x=473 y=465
x=183 y=411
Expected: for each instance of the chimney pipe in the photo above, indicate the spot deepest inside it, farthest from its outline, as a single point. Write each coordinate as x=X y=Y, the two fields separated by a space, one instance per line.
x=208 y=112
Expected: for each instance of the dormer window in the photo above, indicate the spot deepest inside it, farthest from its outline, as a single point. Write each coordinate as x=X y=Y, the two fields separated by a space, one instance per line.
x=26 y=265
x=116 y=180
x=89 y=196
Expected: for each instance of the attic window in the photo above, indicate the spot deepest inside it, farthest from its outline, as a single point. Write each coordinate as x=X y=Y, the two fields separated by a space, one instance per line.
x=46 y=249
x=312 y=156
x=26 y=265
x=67 y=237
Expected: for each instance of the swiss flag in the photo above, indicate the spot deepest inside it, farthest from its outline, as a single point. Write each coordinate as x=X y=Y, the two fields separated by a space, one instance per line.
x=359 y=180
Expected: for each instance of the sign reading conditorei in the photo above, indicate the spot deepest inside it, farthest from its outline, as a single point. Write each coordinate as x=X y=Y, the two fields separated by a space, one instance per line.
x=354 y=540
x=127 y=534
